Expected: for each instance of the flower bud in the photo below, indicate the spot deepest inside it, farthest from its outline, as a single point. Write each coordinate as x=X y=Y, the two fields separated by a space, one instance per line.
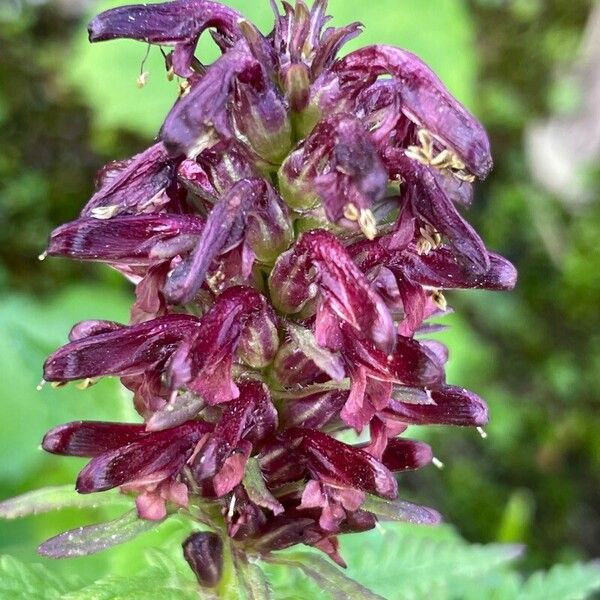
x=296 y=83
x=204 y=553
x=262 y=116
x=294 y=183
x=269 y=231
x=259 y=341
x=292 y=367
x=290 y=283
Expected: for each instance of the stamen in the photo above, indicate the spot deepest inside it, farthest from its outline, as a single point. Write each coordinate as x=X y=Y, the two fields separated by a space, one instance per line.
x=437 y=463
x=351 y=212
x=430 y=240
x=43 y=255
x=40 y=386
x=367 y=223
x=143 y=76
x=86 y=383
x=231 y=506
x=482 y=432
x=380 y=528
x=103 y=213
x=142 y=79
x=440 y=300
x=58 y=384
x=184 y=88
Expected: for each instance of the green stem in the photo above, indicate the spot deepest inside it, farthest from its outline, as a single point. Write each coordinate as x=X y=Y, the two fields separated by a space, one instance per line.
x=229 y=587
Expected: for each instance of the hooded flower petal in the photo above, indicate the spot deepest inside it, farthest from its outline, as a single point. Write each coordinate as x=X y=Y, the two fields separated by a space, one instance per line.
x=91 y=438
x=155 y=457
x=410 y=363
x=344 y=288
x=425 y=100
x=224 y=229
x=442 y=269
x=203 y=363
x=334 y=462
x=124 y=351
x=133 y=239
x=339 y=164
x=133 y=186
x=429 y=200
x=179 y=23
x=200 y=118
x=452 y=406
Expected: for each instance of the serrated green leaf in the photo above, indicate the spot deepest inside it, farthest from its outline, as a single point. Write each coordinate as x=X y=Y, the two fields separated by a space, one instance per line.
x=563 y=582
x=29 y=582
x=96 y=538
x=328 y=576
x=139 y=587
x=414 y=562
x=55 y=498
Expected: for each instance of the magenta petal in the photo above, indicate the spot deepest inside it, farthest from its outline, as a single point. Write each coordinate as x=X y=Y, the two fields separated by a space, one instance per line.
x=224 y=229
x=425 y=100
x=198 y=120
x=154 y=458
x=133 y=186
x=410 y=363
x=432 y=203
x=314 y=411
x=404 y=455
x=127 y=239
x=179 y=23
x=355 y=174
x=90 y=438
x=453 y=406
x=333 y=462
x=442 y=269
x=125 y=351
x=346 y=290
x=86 y=329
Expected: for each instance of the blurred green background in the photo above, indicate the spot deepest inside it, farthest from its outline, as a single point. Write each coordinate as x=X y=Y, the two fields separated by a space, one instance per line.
x=534 y=354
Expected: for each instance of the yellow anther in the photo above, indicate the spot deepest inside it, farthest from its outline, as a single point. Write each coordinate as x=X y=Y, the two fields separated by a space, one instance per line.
x=446 y=160
x=367 y=223
x=170 y=74
x=105 y=212
x=351 y=212
x=58 y=384
x=440 y=300
x=86 y=383
x=142 y=79
x=184 y=88
x=430 y=240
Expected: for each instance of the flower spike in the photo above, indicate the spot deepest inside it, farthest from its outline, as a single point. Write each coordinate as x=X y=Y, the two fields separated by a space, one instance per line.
x=290 y=234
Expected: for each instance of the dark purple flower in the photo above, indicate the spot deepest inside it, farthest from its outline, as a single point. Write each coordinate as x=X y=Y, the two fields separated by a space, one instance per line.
x=290 y=236
x=204 y=553
x=177 y=24
x=148 y=462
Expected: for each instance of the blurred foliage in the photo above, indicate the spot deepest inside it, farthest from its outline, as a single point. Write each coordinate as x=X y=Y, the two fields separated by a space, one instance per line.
x=66 y=108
